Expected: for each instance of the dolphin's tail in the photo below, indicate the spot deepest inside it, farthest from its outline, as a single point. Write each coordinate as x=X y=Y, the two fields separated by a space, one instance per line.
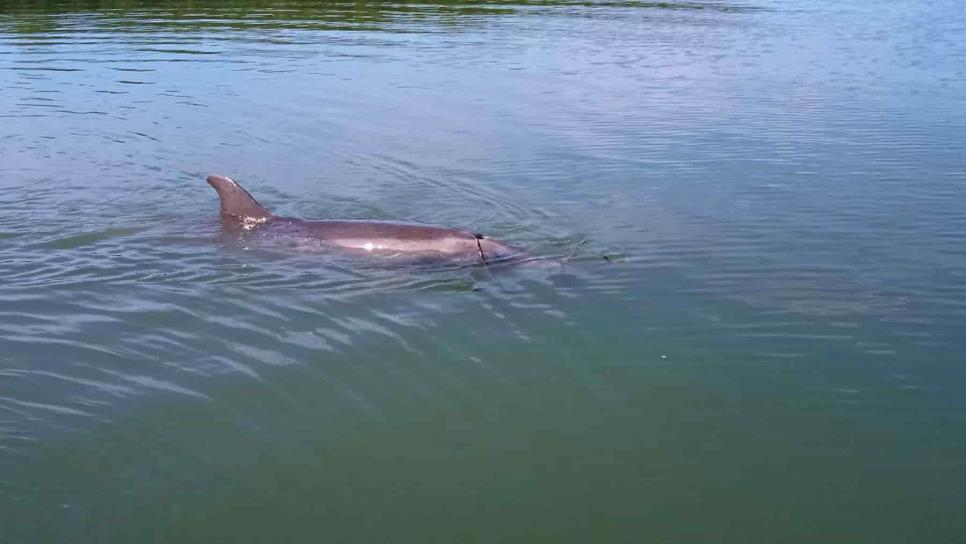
x=236 y=201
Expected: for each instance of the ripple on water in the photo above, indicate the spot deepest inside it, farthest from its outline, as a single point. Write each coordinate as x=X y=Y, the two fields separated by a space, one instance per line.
x=97 y=322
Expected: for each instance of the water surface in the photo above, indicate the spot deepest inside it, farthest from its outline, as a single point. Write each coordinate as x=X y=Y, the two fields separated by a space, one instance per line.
x=772 y=350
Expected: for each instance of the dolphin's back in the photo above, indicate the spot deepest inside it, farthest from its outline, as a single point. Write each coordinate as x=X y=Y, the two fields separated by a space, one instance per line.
x=386 y=235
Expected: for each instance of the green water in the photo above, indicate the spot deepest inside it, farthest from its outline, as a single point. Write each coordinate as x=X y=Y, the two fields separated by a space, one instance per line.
x=771 y=351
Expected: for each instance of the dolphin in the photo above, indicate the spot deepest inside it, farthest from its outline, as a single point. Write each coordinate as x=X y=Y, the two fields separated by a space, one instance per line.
x=378 y=238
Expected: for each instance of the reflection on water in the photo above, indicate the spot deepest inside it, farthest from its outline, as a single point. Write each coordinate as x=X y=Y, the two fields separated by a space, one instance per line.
x=772 y=342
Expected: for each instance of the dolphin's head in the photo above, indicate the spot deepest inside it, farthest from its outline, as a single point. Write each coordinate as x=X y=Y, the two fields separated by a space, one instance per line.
x=495 y=250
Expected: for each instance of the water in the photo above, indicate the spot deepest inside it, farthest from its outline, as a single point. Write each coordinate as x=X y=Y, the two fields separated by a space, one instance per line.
x=772 y=350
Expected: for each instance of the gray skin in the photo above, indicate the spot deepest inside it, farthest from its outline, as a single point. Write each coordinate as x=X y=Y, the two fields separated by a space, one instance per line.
x=382 y=238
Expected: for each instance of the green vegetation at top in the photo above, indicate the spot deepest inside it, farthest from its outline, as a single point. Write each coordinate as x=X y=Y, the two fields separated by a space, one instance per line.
x=215 y=13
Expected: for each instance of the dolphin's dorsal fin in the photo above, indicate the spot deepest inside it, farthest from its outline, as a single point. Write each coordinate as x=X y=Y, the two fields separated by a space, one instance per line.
x=236 y=201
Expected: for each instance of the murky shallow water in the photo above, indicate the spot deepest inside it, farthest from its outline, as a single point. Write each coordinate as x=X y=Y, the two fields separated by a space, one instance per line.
x=772 y=352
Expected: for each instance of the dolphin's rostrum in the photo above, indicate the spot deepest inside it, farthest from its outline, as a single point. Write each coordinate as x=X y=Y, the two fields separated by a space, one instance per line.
x=371 y=237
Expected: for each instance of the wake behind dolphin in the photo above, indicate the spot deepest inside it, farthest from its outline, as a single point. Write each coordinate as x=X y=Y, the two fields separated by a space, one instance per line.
x=383 y=238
